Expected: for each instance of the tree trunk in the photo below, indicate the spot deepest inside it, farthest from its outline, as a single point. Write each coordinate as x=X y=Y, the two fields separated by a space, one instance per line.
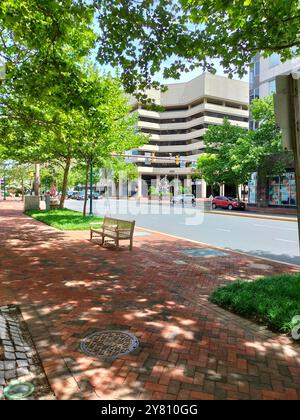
x=86 y=187
x=37 y=179
x=65 y=183
x=117 y=188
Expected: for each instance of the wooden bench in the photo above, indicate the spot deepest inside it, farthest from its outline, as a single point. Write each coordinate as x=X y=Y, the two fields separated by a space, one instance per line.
x=54 y=203
x=115 y=229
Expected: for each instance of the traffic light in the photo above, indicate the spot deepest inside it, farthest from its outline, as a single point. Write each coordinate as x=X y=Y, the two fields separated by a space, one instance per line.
x=177 y=160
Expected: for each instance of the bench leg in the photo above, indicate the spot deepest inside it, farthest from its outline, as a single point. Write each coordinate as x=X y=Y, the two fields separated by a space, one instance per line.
x=102 y=240
x=91 y=235
x=131 y=244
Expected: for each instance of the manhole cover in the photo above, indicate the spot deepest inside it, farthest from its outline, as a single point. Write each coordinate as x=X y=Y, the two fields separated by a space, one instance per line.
x=109 y=344
x=203 y=252
x=18 y=390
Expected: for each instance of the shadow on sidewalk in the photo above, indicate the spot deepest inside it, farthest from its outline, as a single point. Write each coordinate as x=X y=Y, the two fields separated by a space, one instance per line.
x=189 y=348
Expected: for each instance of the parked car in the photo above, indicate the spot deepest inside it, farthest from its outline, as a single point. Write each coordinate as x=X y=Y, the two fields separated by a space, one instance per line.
x=80 y=195
x=70 y=194
x=95 y=195
x=229 y=203
x=184 y=198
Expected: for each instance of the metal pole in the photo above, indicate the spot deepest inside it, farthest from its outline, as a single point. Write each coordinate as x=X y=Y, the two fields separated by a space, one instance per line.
x=91 y=190
x=295 y=126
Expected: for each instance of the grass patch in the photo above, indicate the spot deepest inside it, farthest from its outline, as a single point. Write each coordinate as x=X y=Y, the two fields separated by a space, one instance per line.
x=64 y=219
x=272 y=300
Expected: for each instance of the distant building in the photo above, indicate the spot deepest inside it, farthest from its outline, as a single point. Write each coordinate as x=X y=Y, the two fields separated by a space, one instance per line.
x=176 y=133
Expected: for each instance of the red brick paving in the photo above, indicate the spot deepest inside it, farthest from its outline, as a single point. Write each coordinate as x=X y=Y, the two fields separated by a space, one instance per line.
x=189 y=348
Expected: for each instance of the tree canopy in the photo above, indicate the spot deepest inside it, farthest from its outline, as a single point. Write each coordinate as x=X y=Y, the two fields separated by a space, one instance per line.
x=233 y=153
x=149 y=36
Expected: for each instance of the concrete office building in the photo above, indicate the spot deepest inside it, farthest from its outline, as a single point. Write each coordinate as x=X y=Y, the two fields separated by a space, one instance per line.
x=177 y=131
x=274 y=191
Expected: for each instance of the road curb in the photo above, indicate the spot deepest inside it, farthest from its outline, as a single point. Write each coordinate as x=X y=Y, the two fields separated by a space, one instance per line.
x=255 y=216
x=219 y=247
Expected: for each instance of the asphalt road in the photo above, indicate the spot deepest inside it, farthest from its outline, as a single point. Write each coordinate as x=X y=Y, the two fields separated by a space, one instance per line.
x=272 y=239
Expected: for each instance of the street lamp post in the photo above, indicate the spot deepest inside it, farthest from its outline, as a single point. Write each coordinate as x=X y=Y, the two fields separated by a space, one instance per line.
x=91 y=189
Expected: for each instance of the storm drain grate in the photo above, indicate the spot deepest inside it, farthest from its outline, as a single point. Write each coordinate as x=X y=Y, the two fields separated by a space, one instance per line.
x=109 y=344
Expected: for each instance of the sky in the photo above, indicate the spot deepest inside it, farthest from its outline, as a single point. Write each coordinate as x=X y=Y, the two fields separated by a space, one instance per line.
x=185 y=77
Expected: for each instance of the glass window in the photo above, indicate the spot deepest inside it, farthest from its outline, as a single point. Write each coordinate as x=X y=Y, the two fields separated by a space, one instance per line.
x=254 y=93
x=252 y=76
x=282 y=190
x=274 y=60
x=272 y=87
x=256 y=68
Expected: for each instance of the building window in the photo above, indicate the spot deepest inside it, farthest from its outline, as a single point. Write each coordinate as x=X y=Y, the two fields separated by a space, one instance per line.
x=272 y=87
x=254 y=94
x=256 y=68
x=251 y=76
x=274 y=60
x=282 y=190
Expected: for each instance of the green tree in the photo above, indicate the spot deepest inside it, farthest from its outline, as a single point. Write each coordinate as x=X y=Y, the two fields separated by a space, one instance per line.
x=216 y=166
x=143 y=38
x=104 y=123
x=234 y=153
x=209 y=168
x=19 y=177
x=42 y=44
x=121 y=171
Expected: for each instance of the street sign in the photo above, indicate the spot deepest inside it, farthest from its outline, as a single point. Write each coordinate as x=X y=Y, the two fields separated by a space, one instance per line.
x=182 y=162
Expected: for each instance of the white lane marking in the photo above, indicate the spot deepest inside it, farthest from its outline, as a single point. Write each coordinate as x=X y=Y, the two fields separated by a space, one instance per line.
x=276 y=227
x=222 y=249
x=223 y=230
x=285 y=240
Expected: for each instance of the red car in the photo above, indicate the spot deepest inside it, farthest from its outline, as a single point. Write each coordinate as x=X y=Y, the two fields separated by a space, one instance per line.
x=227 y=203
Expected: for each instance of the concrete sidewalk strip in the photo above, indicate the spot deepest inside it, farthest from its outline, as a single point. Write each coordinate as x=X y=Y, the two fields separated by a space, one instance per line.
x=72 y=291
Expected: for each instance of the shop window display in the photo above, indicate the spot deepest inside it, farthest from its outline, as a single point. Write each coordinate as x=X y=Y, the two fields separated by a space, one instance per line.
x=282 y=190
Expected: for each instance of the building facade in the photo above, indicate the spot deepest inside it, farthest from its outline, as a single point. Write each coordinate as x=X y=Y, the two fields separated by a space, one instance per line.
x=176 y=133
x=274 y=191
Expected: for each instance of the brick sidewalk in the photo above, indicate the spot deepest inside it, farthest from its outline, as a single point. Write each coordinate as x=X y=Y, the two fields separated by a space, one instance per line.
x=189 y=349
